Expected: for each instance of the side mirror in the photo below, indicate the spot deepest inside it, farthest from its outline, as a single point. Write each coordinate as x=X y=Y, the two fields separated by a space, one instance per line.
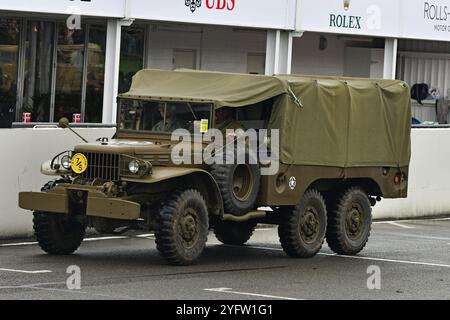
x=63 y=123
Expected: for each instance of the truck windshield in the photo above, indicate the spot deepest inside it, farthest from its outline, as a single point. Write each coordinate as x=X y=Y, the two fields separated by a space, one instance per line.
x=159 y=116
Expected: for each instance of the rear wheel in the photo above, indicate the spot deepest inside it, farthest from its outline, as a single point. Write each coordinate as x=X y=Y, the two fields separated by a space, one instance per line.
x=182 y=227
x=349 y=222
x=234 y=233
x=302 y=230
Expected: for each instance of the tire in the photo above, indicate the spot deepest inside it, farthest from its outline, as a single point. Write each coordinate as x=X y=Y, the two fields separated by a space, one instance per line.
x=302 y=230
x=104 y=225
x=234 y=233
x=182 y=227
x=56 y=234
x=349 y=222
x=239 y=185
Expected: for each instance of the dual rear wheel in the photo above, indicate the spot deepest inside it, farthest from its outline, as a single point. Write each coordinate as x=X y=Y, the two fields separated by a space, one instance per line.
x=344 y=220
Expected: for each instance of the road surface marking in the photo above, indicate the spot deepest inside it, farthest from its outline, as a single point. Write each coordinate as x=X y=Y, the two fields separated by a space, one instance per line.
x=229 y=290
x=18 y=244
x=400 y=225
x=39 y=286
x=265 y=229
x=106 y=238
x=418 y=236
x=413 y=220
x=87 y=239
x=366 y=258
x=145 y=235
x=25 y=271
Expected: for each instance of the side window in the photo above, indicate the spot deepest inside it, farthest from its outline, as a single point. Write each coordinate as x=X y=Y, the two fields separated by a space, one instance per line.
x=256 y=116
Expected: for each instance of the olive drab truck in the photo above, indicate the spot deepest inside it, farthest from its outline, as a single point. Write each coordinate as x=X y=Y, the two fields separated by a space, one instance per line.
x=344 y=144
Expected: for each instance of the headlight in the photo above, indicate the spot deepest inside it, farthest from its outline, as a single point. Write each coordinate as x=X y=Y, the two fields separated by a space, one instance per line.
x=133 y=166
x=66 y=162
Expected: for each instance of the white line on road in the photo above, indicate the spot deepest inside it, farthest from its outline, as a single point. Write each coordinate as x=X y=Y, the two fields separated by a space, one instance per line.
x=418 y=236
x=106 y=238
x=39 y=286
x=145 y=235
x=229 y=290
x=87 y=239
x=366 y=258
x=400 y=225
x=18 y=244
x=412 y=220
x=25 y=271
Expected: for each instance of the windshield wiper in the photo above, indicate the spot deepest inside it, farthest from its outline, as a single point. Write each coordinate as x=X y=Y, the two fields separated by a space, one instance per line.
x=192 y=110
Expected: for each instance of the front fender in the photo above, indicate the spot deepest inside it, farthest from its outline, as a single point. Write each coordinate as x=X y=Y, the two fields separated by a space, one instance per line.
x=193 y=177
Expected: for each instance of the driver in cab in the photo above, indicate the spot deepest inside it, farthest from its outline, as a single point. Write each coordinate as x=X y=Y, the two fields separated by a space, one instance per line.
x=169 y=122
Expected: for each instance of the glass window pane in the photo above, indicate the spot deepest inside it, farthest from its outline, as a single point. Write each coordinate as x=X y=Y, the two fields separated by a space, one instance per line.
x=38 y=70
x=69 y=72
x=131 y=55
x=95 y=74
x=9 y=52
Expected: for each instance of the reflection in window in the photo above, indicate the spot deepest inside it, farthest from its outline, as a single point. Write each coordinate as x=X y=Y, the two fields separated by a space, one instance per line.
x=131 y=56
x=69 y=73
x=38 y=70
x=95 y=74
x=9 y=47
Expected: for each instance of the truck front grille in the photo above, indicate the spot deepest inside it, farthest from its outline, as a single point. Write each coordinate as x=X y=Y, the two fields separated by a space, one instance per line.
x=102 y=166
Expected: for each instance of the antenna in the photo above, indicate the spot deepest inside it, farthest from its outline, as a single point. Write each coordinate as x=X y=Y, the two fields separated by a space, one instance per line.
x=64 y=123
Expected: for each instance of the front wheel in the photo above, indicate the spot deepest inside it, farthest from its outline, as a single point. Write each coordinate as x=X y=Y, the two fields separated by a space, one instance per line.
x=302 y=230
x=349 y=222
x=182 y=227
x=57 y=233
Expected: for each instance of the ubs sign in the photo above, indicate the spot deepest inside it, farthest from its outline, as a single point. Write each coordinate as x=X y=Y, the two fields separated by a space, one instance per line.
x=211 y=4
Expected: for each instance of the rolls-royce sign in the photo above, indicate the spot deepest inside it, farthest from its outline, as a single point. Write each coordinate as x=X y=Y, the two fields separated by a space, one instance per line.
x=414 y=19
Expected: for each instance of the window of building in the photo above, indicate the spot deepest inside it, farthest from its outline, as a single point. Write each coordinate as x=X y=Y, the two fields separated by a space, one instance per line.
x=9 y=52
x=95 y=74
x=131 y=55
x=38 y=70
x=48 y=72
x=69 y=72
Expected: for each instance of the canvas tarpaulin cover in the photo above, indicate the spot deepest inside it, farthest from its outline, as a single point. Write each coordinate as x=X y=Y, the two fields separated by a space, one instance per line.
x=339 y=122
x=345 y=122
x=223 y=89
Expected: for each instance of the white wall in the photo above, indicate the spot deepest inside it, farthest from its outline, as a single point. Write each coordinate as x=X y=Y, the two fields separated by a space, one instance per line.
x=429 y=178
x=218 y=48
x=307 y=58
x=22 y=152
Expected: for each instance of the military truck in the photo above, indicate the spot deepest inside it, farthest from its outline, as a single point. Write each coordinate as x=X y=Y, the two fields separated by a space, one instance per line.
x=344 y=145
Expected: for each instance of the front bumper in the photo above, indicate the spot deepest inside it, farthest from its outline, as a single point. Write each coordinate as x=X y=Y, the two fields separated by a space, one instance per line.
x=95 y=204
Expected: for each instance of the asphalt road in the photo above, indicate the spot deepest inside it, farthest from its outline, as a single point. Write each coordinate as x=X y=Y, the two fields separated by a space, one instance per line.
x=413 y=259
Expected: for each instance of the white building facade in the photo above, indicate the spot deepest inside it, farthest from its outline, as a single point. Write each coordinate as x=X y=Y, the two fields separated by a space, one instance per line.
x=72 y=57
